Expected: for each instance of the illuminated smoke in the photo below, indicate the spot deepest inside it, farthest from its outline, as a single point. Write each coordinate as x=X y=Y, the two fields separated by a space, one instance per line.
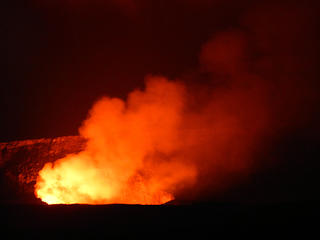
x=183 y=140
x=132 y=154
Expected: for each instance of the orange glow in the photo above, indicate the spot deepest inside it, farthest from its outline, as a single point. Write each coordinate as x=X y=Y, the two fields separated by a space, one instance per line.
x=130 y=155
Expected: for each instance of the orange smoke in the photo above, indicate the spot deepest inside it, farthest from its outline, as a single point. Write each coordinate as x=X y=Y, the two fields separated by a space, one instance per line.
x=170 y=140
x=131 y=154
x=188 y=141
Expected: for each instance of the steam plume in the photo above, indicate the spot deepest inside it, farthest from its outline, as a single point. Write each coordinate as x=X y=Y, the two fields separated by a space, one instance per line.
x=171 y=141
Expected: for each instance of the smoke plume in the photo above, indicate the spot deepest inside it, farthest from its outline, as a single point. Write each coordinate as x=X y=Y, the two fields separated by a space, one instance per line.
x=176 y=139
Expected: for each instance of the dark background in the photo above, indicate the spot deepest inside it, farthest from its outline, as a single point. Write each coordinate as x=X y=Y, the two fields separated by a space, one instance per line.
x=61 y=56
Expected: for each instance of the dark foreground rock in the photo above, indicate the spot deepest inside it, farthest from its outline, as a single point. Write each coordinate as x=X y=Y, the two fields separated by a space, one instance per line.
x=20 y=162
x=199 y=221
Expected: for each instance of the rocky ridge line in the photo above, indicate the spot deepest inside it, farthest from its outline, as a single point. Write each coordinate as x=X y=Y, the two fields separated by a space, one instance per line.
x=20 y=162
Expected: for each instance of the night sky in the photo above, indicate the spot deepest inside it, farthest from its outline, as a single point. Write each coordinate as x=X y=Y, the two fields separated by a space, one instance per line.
x=61 y=56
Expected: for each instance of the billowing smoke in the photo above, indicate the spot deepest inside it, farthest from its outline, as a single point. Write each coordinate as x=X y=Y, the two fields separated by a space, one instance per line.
x=177 y=139
x=132 y=154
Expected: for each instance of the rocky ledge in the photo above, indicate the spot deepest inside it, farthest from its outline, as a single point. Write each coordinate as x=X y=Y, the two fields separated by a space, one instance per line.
x=20 y=162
